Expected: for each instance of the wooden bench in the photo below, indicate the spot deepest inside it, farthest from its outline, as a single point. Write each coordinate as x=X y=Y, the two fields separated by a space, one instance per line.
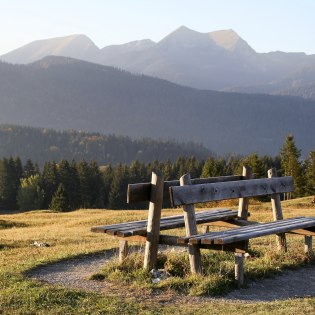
x=187 y=195
x=148 y=231
x=186 y=192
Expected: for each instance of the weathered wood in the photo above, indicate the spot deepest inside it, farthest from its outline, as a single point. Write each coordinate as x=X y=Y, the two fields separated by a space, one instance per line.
x=191 y=229
x=309 y=231
x=123 y=250
x=140 y=227
x=246 y=231
x=277 y=212
x=263 y=232
x=190 y=194
x=232 y=223
x=142 y=191
x=243 y=202
x=154 y=217
x=239 y=269
x=308 y=245
x=136 y=238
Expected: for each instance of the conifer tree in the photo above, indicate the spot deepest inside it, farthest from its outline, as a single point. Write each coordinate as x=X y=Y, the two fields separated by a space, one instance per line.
x=310 y=173
x=49 y=182
x=30 y=195
x=291 y=166
x=117 y=194
x=60 y=200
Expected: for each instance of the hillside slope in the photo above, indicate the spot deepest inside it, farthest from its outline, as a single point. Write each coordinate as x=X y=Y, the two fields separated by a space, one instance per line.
x=64 y=93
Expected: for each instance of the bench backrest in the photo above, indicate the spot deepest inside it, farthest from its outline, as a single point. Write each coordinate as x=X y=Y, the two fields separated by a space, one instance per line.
x=191 y=194
x=142 y=191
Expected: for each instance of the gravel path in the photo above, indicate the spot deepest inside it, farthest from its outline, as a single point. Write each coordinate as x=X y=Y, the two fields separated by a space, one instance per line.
x=74 y=273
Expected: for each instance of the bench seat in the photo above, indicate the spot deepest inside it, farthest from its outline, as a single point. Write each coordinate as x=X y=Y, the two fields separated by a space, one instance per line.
x=251 y=231
x=134 y=228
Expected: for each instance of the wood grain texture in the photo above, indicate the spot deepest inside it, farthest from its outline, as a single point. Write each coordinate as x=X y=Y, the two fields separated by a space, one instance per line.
x=142 y=191
x=140 y=227
x=191 y=229
x=277 y=212
x=243 y=202
x=249 y=231
x=153 y=226
x=190 y=194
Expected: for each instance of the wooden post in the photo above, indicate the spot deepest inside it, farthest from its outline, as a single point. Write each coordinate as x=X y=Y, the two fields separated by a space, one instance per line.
x=243 y=202
x=239 y=269
x=277 y=213
x=308 y=244
x=191 y=229
x=123 y=250
x=154 y=217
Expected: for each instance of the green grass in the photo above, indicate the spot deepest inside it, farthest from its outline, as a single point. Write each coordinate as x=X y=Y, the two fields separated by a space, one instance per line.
x=69 y=235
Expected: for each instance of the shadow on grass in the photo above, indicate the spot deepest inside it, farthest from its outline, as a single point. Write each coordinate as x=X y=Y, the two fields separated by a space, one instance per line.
x=4 y=224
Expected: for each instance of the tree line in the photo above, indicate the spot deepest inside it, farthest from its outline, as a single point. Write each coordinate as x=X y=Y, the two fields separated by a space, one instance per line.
x=69 y=185
x=41 y=144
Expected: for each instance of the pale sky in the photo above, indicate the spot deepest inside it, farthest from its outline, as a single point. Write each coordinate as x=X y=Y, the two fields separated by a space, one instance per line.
x=267 y=25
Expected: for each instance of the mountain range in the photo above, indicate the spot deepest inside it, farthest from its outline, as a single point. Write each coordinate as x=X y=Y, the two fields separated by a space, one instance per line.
x=219 y=60
x=66 y=93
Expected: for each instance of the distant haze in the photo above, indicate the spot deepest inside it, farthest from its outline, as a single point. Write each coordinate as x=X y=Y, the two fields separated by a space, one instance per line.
x=218 y=60
x=64 y=93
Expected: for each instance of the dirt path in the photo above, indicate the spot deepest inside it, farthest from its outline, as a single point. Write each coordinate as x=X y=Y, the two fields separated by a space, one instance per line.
x=74 y=273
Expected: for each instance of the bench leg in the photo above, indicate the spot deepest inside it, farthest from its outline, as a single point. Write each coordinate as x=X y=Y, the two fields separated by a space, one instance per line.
x=239 y=269
x=282 y=242
x=205 y=228
x=308 y=242
x=123 y=250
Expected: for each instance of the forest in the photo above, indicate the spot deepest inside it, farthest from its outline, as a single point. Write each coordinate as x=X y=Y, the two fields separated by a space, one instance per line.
x=42 y=144
x=69 y=185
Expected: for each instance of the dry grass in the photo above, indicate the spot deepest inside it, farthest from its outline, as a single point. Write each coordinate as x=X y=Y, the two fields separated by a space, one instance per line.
x=69 y=235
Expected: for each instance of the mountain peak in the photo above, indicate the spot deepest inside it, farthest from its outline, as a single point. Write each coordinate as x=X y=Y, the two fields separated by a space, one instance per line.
x=231 y=41
x=77 y=46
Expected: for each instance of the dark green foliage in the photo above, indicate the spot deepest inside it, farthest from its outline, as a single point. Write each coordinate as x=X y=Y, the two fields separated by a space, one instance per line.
x=49 y=182
x=60 y=200
x=117 y=194
x=73 y=185
x=310 y=173
x=30 y=195
x=10 y=174
x=292 y=166
x=42 y=145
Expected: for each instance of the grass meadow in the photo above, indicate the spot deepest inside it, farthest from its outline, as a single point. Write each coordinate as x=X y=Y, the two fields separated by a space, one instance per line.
x=69 y=236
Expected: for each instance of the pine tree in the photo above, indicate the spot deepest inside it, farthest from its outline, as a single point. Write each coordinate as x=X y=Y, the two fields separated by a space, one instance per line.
x=68 y=177
x=310 y=173
x=291 y=166
x=30 y=195
x=213 y=167
x=49 y=182
x=60 y=200
x=117 y=194
x=256 y=164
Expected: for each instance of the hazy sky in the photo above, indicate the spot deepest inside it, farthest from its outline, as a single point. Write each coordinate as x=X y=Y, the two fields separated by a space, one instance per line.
x=267 y=25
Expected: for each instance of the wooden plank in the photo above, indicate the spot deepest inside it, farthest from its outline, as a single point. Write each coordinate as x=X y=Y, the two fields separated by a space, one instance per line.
x=308 y=245
x=167 y=223
x=191 y=194
x=191 y=229
x=309 y=231
x=239 y=269
x=277 y=212
x=153 y=227
x=137 y=238
x=243 y=202
x=142 y=191
x=209 y=238
x=264 y=232
x=123 y=250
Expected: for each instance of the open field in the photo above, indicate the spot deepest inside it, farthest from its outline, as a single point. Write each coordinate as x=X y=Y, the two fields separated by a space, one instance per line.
x=69 y=236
